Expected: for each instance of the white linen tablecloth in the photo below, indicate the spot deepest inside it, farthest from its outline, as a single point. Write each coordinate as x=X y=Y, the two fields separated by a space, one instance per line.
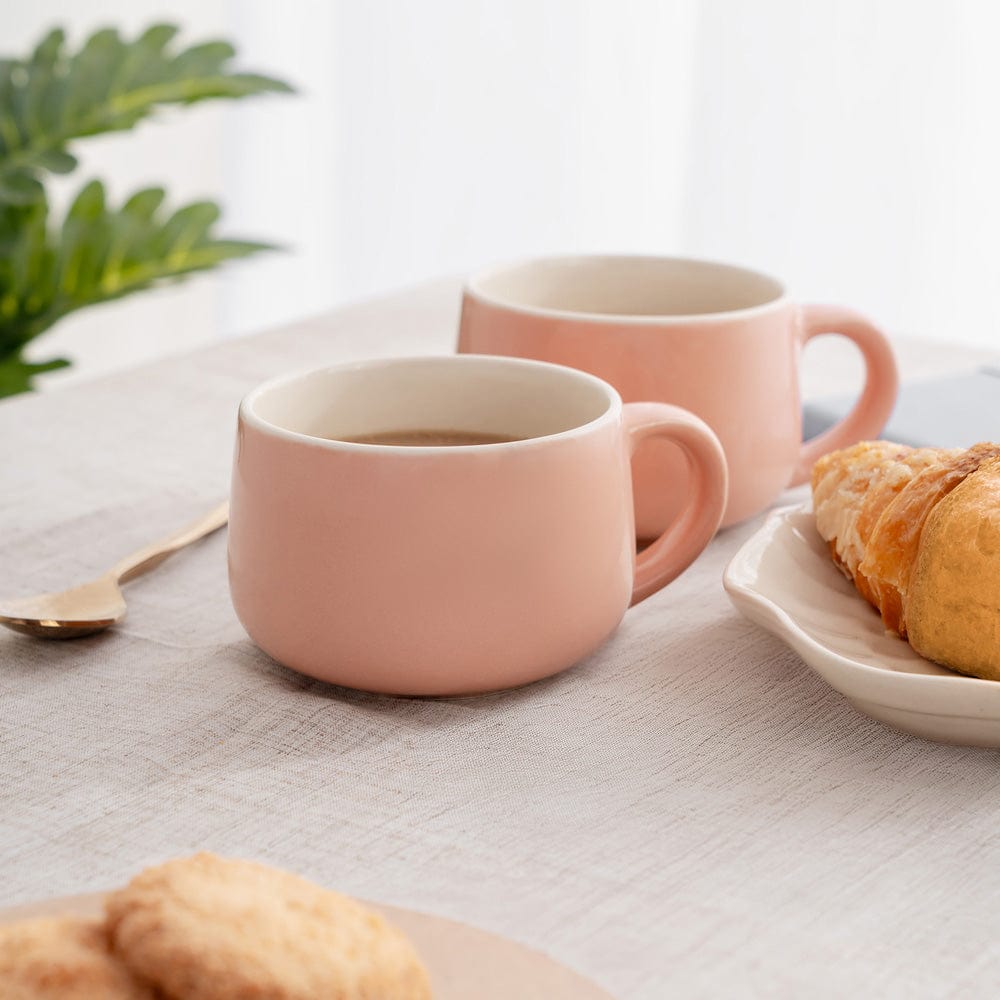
x=688 y=813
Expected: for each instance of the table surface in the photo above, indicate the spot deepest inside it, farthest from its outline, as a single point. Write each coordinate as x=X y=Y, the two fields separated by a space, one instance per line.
x=689 y=812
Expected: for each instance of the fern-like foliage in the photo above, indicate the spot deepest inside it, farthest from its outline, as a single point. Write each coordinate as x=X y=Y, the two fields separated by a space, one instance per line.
x=108 y=85
x=97 y=252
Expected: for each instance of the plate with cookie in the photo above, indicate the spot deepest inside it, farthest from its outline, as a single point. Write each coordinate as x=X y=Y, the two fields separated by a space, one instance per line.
x=212 y=928
x=888 y=585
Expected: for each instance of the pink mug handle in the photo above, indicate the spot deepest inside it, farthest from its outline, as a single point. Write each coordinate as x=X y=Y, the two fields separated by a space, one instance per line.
x=697 y=523
x=878 y=397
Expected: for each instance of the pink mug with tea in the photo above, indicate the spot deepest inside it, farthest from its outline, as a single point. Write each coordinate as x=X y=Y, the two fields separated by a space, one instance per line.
x=450 y=525
x=721 y=341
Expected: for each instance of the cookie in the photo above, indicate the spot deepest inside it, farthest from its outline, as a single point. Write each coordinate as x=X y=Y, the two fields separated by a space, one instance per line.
x=208 y=928
x=62 y=958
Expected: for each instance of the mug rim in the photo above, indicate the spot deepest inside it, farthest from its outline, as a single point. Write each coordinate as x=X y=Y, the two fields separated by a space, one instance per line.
x=473 y=281
x=248 y=417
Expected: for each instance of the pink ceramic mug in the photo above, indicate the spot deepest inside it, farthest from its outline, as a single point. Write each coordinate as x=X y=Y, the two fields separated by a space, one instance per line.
x=442 y=569
x=721 y=341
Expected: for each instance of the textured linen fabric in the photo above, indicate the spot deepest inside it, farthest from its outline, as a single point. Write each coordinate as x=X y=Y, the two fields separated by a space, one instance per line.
x=690 y=812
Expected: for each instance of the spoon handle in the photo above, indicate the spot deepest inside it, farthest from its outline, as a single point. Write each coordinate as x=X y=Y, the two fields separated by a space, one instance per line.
x=150 y=556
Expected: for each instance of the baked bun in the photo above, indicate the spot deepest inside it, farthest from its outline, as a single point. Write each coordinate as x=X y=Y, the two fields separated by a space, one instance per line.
x=918 y=532
x=211 y=928
x=63 y=958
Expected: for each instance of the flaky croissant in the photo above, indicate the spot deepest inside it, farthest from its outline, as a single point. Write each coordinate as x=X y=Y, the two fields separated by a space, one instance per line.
x=918 y=531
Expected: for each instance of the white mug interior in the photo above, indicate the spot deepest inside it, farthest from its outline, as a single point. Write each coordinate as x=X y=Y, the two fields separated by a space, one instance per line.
x=509 y=397
x=626 y=287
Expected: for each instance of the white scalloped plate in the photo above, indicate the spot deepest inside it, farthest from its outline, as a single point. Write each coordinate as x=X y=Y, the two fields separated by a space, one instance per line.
x=784 y=580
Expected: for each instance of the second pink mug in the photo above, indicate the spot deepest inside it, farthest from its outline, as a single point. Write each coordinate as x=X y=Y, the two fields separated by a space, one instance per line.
x=721 y=341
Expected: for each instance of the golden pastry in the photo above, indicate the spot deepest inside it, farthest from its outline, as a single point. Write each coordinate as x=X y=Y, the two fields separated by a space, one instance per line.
x=918 y=532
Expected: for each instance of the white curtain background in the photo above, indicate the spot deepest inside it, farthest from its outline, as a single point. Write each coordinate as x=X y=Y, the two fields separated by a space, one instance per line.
x=849 y=147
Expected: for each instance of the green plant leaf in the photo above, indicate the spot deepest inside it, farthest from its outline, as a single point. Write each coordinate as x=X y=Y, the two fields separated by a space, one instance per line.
x=16 y=374
x=57 y=161
x=47 y=51
x=109 y=84
x=207 y=59
x=97 y=253
x=18 y=187
x=143 y=204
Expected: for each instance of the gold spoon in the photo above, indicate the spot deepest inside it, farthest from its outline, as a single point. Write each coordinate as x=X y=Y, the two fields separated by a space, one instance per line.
x=94 y=606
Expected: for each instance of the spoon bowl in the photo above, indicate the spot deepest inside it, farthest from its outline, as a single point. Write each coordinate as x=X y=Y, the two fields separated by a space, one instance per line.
x=84 y=610
x=99 y=604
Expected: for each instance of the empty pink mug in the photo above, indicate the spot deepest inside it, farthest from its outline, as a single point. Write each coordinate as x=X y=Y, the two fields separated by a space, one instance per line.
x=442 y=569
x=720 y=341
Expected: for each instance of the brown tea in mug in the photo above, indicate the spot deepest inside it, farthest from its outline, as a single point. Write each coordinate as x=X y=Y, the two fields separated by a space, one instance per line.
x=429 y=438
